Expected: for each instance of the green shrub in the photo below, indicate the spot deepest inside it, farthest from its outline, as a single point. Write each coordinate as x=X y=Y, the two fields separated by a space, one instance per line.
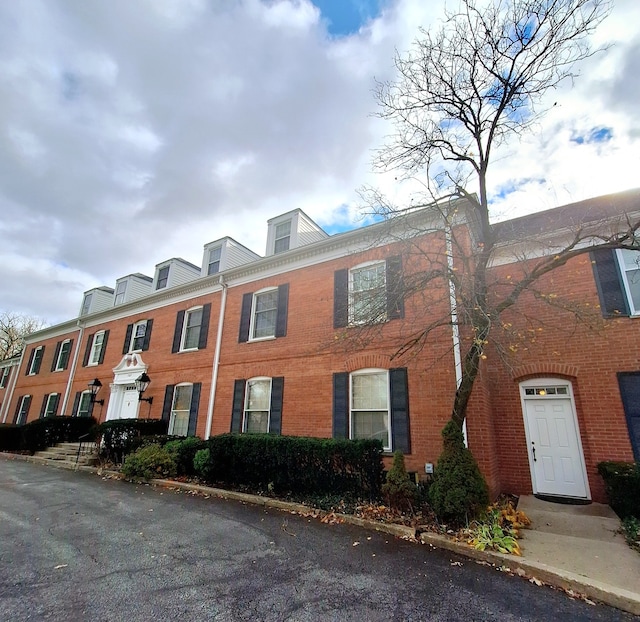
x=631 y=531
x=183 y=451
x=10 y=437
x=399 y=491
x=202 y=464
x=49 y=431
x=296 y=466
x=459 y=492
x=152 y=461
x=120 y=435
x=622 y=483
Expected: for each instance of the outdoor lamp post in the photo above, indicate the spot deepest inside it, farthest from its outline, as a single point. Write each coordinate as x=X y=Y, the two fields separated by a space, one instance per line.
x=142 y=382
x=95 y=386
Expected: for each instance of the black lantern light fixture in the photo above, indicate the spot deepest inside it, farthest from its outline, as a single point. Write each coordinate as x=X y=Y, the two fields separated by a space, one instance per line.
x=95 y=386
x=142 y=382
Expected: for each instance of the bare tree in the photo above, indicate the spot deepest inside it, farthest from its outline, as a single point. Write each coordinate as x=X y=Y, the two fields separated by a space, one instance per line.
x=476 y=83
x=14 y=327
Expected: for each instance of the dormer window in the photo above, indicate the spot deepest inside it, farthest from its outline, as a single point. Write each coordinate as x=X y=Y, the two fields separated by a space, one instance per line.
x=214 y=260
x=282 y=237
x=86 y=304
x=163 y=277
x=121 y=290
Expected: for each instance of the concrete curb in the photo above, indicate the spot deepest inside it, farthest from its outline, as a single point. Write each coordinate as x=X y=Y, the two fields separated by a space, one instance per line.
x=594 y=590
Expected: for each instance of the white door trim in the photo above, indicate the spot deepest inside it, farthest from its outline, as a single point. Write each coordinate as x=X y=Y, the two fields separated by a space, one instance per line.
x=524 y=399
x=124 y=374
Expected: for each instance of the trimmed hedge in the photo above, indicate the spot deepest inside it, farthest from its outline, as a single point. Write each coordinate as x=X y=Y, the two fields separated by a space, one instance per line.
x=119 y=436
x=10 y=437
x=622 y=483
x=294 y=465
x=47 y=432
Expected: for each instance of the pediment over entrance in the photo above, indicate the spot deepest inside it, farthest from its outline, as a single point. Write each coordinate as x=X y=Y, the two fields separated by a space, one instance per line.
x=128 y=369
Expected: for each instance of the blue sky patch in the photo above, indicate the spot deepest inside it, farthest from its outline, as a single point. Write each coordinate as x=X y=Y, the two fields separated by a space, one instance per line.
x=344 y=17
x=596 y=135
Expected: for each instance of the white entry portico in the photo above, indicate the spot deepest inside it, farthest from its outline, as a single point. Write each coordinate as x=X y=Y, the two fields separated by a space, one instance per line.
x=123 y=402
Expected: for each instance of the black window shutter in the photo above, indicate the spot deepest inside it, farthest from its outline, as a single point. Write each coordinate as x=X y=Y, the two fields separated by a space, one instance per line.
x=204 y=326
x=193 y=409
x=238 y=405
x=341 y=405
x=44 y=405
x=613 y=302
x=56 y=402
x=275 y=418
x=104 y=346
x=127 y=339
x=630 y=392
x=340 y=298
x=177 y=332
x=399 y=389
x=76 y=403
x=147 y=335
x=283 y=310
x=245 y=318
x=55 y=355
x=38 y=361
x=168 y=402
x=87 y=350
x=33 y=352
x=65 y=362
x=395 y=288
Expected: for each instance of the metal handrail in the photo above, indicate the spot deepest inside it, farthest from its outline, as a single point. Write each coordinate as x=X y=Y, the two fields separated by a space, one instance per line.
x=82 y=440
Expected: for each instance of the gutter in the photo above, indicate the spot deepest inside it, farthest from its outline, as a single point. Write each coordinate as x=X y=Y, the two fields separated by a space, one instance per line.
x=14 y=381
x=72 y=371
x=216 y=357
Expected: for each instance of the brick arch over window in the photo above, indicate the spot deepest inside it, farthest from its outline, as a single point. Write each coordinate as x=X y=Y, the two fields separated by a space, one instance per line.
x=544 y=369
x=367 y=361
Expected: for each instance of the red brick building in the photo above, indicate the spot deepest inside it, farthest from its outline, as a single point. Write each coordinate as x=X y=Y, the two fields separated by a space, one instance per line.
x=305 y=341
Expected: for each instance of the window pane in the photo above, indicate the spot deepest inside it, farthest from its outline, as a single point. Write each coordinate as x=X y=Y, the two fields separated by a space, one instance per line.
x=266 y=311
x=257 y=422
x=163 y=277
x=259 y=395
x=370 y=424
x=368 y=297
x=182 y=397
x=179 y=425
x=214 y=260
x=139 y=333
x=192 y=331
x=85 y=405
x=96 y=349
x=369 y=391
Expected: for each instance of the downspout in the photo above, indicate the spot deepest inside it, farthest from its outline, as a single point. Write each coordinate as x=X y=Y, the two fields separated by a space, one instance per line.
x=216 y=357
x=72 y=371
x=13 y=382
x=455 y=330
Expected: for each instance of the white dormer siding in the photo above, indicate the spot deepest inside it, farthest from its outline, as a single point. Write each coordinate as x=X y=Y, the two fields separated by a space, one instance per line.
x=225 y=254
x=96 y=299
x=174 y=272
x=132 y=287
x=292 y=230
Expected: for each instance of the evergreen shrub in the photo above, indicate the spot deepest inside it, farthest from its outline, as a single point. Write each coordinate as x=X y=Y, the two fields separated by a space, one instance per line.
x=458 y=493
x=399 y=491
x=149 y=462
x=49 y=431
x=10 y=437
x=120 y=435
x=622 y=484
x=183 y=451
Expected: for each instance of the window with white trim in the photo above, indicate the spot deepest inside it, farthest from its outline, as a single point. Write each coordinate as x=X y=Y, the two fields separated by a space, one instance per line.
x=282 y=237
x=629 y=262
x=368 y=293
x=179 y=419
x=264 y=314
x=36 y=360
x=4 y=377
x=137 y=336
x=96 y=348
x=369 y=406
x=22 y=411
x=257 y=405
x=121 y=291
x=214 y=260
x=84 y=405
x=51 y=405
x=63 y=355
x=191 y=329
x=86 y=304
x=163 y=277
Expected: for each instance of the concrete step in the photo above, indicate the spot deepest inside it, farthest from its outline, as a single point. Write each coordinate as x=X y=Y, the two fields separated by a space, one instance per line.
x=67 y=453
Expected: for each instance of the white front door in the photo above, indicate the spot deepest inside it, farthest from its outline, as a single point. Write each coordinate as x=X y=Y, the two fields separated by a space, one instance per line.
x=555 y=451
x=129 y=408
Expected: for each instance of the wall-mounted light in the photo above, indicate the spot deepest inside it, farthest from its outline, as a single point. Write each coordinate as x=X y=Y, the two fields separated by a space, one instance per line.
x=142 y=382
x=95 y=386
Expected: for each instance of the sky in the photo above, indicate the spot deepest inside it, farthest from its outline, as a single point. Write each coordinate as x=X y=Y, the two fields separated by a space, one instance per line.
x=136 y=131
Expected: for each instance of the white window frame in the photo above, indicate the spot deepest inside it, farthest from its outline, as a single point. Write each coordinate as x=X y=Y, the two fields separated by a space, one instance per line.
x=96 y=348
x=355 y=320
x=59 y=362
x=246 y=412
x=33 y=361
x=120 y=293
x=21 y=412
x=163 y=278
x=370 y=372
x=137 y=325
x=86 y=303
x=180 y=413
x=6 y=371
x=48 y=404
x=85 y=400
x=621 y=253
x=217 y=260
x=278 y=238
x=185 y=326
x=254 y=312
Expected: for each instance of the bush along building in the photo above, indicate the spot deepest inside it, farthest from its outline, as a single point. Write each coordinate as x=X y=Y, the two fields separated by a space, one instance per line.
x=357 y=335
